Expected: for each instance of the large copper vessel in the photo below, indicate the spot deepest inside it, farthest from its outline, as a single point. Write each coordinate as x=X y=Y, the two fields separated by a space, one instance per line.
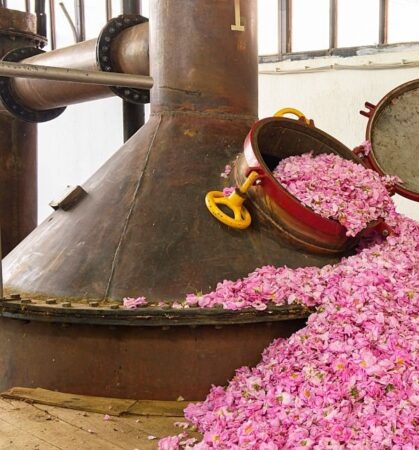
x=143 y=229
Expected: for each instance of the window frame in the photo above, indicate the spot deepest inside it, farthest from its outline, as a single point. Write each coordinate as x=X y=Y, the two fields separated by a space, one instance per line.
x=285 y=36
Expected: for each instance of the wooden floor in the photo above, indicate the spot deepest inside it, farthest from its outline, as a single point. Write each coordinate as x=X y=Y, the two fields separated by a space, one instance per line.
x=41 y=427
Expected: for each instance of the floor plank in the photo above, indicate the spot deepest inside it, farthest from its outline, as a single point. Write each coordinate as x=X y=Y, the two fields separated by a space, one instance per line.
x=41 y=427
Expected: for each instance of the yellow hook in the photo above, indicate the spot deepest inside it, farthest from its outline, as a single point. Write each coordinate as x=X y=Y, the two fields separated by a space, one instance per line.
x=294 y=111
x=242 y=218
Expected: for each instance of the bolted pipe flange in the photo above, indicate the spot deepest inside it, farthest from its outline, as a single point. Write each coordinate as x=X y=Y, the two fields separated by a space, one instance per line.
x=104 y=60
x=8 y=97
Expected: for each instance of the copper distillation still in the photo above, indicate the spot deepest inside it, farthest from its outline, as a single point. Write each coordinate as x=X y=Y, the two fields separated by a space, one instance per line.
x=139 y=225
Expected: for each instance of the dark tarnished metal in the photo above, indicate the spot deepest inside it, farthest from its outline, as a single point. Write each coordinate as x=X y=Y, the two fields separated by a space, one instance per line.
x=46 y=94
x=8 y=97
x=41 y=18
x=151 y=316
x=130 y=362
x=133 y=114
x=70 y=198
x=104 y=55
x=18 y=159
x=143 y=229
x=21 y=26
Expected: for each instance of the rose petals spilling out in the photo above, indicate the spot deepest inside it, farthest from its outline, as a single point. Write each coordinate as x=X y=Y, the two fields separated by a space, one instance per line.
x=133 y=303
x=337 y=188
x=348 y=380
x=227 y=171
x=227 y=191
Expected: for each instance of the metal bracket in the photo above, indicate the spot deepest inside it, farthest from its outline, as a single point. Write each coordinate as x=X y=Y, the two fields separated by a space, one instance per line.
x=104 y=60
x=237 y=26
x=69 y=199
x=9 y=99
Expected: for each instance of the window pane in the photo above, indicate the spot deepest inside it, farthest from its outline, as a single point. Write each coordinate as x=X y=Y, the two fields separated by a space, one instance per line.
x=403 y=18
x=268 y=27
x=19 y=5
x=64 y=34
x=310 y=25
x=145 y=7
x=95 y=17
x=358 y=22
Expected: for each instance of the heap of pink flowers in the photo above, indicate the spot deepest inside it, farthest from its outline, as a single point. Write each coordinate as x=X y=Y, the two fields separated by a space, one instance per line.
x=348 y=380
x=337 y=188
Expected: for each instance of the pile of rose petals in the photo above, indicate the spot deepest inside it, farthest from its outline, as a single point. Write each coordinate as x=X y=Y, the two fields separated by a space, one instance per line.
x=337 y=188
x=348 y=380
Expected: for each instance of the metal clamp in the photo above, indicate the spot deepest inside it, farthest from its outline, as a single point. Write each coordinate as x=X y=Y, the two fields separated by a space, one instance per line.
x=242 y=218
x=104 y=59
x=9 y=99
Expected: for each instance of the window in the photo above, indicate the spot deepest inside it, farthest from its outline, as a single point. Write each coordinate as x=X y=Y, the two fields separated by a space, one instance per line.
x=403 y=17
x=310 y=25
x=358 y=23
x=304 y=28
x=268 y=27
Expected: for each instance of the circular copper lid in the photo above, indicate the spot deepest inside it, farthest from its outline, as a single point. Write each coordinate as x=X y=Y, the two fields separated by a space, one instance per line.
x=393 y=130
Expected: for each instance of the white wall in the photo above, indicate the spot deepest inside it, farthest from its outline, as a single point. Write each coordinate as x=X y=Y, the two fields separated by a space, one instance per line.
x=73 y=146
x=334 y=98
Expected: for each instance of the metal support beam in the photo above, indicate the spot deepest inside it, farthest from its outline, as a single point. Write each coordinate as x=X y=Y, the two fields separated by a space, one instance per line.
x=41 y=18
x=333 y=24
x=133 y=115
x=383 y=30
x=1 y=270
x=80 y=20
x=108 y=10
x=9 y=69
x=284 y=23
x=53 y=38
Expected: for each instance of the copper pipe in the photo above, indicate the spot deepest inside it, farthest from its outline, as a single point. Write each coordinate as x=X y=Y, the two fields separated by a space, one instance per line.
x=11 y=69
x=127 y=57
x=130 y=52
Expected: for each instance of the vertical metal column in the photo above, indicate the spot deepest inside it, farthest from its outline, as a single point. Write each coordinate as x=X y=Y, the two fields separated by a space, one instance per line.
x=133 y=115
x=18 y=146
x=41 y=18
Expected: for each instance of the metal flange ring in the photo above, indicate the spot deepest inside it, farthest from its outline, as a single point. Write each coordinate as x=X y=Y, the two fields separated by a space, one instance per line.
x=104 y=57
x=8 y=97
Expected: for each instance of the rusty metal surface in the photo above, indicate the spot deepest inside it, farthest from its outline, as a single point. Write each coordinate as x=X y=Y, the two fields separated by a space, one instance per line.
x=18 y=21
x=55 y=310
x=197 y=61
x=44 y=94
x=130 y=362
x=18 y=159
x=18 y=180
x=143 y=229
